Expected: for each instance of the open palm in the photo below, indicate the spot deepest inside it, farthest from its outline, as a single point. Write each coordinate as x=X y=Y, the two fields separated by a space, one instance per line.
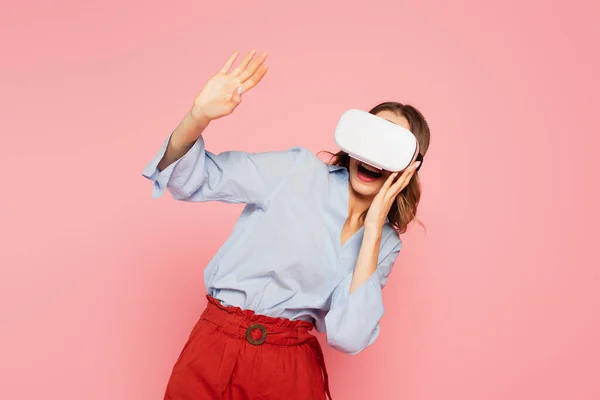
x=223 y=91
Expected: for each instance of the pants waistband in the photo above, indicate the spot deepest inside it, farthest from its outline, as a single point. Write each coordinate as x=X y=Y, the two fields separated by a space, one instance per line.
x=260 y=329
x=236 y=322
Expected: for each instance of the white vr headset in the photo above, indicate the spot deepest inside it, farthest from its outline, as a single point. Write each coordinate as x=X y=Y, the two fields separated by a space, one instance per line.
x=376 y=141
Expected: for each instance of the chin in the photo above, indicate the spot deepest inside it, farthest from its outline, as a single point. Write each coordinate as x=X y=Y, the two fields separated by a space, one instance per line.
x=363 y=184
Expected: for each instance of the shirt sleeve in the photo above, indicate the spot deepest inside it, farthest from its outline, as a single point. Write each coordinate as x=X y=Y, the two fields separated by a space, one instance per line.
x=352 y=322
x=231 y=177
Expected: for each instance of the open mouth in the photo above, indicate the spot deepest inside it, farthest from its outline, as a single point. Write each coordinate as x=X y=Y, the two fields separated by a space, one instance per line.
x=368 y=173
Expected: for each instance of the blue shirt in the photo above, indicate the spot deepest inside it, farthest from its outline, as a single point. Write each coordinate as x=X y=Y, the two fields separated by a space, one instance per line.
x=284 y=257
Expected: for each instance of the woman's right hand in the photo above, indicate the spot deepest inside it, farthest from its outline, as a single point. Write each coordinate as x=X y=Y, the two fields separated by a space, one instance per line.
x=219 y=97
x=223 y=91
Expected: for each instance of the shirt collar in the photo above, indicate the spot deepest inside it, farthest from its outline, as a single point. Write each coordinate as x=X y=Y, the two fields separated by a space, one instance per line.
x=334 y=168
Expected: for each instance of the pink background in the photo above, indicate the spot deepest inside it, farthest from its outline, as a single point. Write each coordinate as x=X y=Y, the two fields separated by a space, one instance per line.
x=100 y=284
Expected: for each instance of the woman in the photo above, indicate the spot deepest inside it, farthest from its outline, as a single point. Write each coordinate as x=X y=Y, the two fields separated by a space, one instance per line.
x=313 y=247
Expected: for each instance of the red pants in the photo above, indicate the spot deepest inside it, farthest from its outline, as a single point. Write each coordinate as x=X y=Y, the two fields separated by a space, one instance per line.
x=237 y=354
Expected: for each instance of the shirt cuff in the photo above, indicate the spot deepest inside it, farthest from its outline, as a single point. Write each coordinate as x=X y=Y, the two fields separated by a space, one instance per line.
x=161 y=178
x=353 y=320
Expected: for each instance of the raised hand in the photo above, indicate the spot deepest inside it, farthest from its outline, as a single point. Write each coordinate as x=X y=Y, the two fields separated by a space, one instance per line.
x=222 y=93
x=385 y=198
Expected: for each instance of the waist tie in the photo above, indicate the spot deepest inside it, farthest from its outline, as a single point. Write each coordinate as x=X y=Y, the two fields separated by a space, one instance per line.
x=259 y=329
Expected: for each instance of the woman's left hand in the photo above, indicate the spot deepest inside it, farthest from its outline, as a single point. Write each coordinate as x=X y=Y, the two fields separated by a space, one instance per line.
x=383 y=201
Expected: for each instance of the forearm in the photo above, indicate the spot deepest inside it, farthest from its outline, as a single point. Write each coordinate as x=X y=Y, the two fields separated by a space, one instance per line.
x=366 y=263
x=185 y=134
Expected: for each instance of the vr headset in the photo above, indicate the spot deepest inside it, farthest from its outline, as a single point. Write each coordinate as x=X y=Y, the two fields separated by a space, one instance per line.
x=376 y=141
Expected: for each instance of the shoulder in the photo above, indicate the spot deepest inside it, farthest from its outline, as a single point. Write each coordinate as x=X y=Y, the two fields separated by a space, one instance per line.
x=305 y=153
x=312 y=162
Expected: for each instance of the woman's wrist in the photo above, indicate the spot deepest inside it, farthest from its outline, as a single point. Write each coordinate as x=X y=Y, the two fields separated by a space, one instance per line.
x=366 y=263
x=372 y=238
x=373 y=232
x=198 y=116
x=197 y=123
x=189 y=130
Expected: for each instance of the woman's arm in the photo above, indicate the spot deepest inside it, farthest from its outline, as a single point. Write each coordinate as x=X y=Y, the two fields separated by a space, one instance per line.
x=352 y=322
x=191 y=173
x=366 y=263
x=231 y=176
x=219 y=97
x=183 y=138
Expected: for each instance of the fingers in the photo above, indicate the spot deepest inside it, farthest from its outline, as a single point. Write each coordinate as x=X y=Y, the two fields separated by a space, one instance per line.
x=389 y=181
x=250 y=72
x=244 y=63
x=404 y=180
x=251 y=69
x=383 y=192
x=255 y=79
x=229 y=63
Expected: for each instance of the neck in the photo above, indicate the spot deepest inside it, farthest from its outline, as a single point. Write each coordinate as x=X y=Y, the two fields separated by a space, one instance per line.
x=358 y=206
